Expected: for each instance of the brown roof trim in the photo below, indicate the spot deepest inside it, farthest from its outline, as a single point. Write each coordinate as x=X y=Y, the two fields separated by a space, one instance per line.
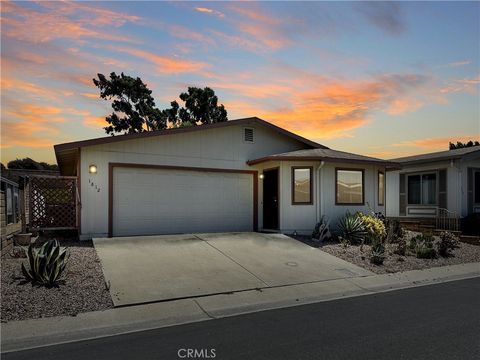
x=245 y=121
x=321 y=158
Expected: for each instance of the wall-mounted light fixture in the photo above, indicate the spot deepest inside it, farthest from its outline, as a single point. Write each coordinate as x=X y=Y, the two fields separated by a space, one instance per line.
x=92 y=169
x=261 y=176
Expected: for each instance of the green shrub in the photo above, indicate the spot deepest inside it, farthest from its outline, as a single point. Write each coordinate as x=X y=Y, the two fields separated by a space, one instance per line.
x=395 y=231
x=424 y=248
x=401 y=248
x=352 y=229
x=412 y=243
x=377 y=253
x=46 y=264
x=448 y=242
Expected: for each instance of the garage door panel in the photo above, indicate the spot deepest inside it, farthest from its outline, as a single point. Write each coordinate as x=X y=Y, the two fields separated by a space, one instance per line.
x=158 y=201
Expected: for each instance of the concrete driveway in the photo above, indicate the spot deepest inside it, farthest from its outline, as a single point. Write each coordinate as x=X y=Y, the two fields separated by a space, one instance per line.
x=153 y=268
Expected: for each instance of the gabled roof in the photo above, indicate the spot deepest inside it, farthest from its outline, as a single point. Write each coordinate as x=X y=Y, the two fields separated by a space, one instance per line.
x=438 y=156
x=67 y=153
x=324 y=155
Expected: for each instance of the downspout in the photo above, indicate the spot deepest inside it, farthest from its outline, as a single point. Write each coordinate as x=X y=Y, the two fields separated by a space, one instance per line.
x=318 y=207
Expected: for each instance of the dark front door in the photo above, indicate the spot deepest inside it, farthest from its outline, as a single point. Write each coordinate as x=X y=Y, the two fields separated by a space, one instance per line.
x=270 y=199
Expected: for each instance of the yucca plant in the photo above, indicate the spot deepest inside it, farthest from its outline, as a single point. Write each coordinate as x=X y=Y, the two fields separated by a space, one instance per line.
x=47 y=263
x=322 y=231
x=352 y=229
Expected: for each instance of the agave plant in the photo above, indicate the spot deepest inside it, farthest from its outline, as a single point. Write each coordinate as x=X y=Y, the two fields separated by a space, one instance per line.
x=47 y=263
x=377 y=254
x=352 y=229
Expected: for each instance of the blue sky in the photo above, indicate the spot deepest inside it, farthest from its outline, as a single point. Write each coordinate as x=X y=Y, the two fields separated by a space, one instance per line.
x=382 y=79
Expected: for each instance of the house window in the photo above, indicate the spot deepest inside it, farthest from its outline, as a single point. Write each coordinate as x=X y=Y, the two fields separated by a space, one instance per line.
x=381 y=188
x=349 y=187
x=301 y=185
x=10 y=219
x=476 y=189
x=422 y=189
x=16 y=206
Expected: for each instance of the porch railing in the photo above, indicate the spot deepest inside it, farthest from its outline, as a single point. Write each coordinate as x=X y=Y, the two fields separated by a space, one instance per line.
x=447 y=220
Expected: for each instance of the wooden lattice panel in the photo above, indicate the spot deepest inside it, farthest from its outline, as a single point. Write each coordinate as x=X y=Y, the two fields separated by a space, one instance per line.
x=53 y=202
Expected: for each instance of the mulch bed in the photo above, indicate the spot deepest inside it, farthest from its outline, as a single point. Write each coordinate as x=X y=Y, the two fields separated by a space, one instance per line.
x=465 y=253
x=83 y=290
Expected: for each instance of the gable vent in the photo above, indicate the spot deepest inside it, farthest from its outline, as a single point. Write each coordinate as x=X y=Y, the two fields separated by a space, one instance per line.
x=248 y=135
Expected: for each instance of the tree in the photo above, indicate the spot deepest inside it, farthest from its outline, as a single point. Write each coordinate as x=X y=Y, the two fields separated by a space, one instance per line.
x=201 y=107
x=460 y=145
x=134 y=108
x=30 y=164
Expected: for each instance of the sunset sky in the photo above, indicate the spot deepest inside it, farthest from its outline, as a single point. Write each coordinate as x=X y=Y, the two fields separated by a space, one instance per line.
x=379 y=79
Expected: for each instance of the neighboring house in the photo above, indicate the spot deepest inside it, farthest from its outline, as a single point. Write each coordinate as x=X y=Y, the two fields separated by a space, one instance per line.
x=428 y=183
x=10 y=213
x=240 y=175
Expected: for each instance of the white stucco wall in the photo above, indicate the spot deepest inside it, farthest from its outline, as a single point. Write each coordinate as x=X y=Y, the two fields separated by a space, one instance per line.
x=214 y=148
x=302 y=218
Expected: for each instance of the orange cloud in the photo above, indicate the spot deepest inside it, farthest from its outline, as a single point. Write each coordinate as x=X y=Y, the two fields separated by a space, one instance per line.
x=25 y=134
x=325 y=108
x=209 y=11
x=96 y=122
x=62 y=20
x=163 y=64
x=266 y=30
x=438 y=143
x=403 y=105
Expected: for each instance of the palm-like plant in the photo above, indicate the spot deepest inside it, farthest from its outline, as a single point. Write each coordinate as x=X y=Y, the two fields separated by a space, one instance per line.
x=352 y=229
x=47 y=263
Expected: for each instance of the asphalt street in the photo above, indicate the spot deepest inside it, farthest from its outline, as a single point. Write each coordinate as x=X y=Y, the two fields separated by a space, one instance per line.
x=431 y=322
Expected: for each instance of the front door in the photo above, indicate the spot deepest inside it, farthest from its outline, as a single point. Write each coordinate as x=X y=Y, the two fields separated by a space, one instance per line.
x=270 y=199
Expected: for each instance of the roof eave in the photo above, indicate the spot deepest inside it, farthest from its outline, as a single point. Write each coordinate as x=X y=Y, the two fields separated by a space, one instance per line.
x=386 y=163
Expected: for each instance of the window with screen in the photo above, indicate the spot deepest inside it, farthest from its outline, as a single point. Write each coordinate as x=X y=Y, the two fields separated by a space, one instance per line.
x=422 y=189
x=301 y=185
x=349 y=187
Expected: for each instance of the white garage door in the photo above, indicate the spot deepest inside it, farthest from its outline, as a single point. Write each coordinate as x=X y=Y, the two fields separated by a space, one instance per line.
x=153 y=201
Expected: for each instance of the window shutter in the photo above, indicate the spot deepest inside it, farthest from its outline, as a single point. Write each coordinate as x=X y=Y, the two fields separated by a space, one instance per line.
x=403 y=196
x=442 y=188
x=470 y=190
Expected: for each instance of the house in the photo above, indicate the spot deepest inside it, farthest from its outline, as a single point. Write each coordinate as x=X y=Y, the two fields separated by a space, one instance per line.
x=10 y=213
x=239 y=175
x=445 y=183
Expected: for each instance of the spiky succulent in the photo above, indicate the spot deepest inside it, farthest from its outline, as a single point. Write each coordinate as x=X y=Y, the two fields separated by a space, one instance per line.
x=46 y=264
x=352 y=229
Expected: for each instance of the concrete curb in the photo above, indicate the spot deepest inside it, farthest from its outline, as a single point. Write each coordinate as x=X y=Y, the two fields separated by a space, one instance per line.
x=26 y=334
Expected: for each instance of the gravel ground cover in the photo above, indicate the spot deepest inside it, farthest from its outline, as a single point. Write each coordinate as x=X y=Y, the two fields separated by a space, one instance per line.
x=83 y=290
x=465 y=253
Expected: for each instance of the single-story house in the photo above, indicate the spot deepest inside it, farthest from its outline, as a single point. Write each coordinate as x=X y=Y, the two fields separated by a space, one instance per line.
x=429 y=184
x=239 y=175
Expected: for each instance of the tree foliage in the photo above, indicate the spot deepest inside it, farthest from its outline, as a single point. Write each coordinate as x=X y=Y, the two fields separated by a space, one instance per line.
x=460 y=145
x=30 y=164
x=201 y=107
x=134 y=108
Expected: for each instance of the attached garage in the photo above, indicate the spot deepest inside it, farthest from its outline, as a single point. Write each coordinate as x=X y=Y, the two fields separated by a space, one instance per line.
x=148 y=200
